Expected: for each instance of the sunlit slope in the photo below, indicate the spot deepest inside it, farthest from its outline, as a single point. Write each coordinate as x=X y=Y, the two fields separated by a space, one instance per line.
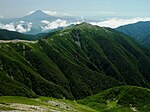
x=42 y=104
x=74 y=62
x=120 y=99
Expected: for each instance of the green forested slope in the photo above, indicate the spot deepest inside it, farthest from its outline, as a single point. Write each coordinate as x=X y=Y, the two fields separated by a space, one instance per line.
x=13 y=35
x=74 y=62
x=140 y=31
x=120 y=99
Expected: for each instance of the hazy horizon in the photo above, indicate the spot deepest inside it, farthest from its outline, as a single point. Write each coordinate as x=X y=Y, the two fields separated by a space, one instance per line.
x=89 y=9
x=107 y=13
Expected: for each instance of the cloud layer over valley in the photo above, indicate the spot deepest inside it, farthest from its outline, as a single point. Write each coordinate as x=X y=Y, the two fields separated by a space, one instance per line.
x=20 y=26
x=116 y=22
x=59 y=20
x=47 y=25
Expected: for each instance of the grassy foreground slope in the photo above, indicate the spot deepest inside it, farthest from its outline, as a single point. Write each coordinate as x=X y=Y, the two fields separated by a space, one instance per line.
x=120 y=99
x=117 y=99
x=42 y=104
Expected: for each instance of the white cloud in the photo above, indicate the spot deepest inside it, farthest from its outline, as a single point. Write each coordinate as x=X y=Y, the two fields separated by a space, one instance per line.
x=30 y=12
x=52 y=13
x=59 y=14
x=45 y=22
x=10 y=27
x=22 y=22
x=29 y=26
x=116 y=22
x=21 y=27
x=56 y=24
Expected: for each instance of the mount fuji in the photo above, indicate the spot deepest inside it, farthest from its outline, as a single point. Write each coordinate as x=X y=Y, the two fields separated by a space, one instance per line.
x=37 y=22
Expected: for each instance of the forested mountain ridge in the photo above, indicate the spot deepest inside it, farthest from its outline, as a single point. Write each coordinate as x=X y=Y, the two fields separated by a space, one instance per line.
x=74 y=62
x=140 y=31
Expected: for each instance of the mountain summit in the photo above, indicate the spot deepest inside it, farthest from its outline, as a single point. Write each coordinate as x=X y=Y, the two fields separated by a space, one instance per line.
x=33 y=23
x=39 y=14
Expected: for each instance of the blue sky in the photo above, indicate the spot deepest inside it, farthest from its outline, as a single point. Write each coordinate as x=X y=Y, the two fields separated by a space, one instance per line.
x=87 y=8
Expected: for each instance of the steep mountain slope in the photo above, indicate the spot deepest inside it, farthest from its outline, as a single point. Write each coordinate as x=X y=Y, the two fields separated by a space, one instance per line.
x=145 y=40
x=139 y=31
x=75 y=62
x=120 y=99
x=27 y=64
x=8 y=85
x=110 y=52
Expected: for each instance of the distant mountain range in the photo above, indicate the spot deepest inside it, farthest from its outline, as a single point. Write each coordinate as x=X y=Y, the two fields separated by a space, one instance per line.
x=13 y=35
x=37 y=22
x=40 y=22
x=139 y=31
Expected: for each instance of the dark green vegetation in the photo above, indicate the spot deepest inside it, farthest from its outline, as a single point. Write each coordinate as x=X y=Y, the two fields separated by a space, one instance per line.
x=145 y=40
x=11 y=35
x=120 y=99
x=74 y=62
x=139 y=31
